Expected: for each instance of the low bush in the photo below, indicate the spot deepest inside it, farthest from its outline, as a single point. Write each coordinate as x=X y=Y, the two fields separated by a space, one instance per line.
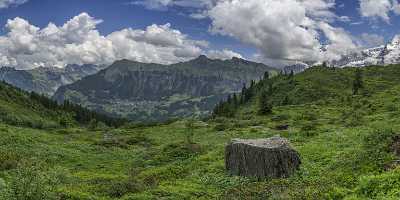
x=221 y=127
x=32 y=183
x=176 y=152
x=309 y=129
x=382 y=186
x=8 y=160
x=377 y=147
x=138 y=139
x=117 y=188
x=281 y=117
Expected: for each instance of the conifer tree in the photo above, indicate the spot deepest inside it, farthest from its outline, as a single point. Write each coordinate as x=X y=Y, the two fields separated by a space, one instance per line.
x=265 y=107
x=266 y=75
x=358 y=82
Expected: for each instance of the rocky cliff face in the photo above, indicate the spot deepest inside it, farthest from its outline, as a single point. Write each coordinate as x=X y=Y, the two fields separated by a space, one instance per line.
x=46 y=80
x=382 y=55
x=152 y=92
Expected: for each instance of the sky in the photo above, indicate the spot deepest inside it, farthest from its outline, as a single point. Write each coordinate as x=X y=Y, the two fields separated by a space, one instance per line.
x=51 y=33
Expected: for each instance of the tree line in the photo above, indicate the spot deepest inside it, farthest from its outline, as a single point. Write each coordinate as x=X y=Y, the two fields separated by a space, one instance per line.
x=262 y=90
x=81 y=114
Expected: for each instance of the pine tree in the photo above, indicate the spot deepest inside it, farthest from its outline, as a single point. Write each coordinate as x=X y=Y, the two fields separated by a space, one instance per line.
x=286 y=101
x=358 y=82
x=235 y=101
x=266 y=75
x=265 y=107
x=189 y=133
x=291 y=75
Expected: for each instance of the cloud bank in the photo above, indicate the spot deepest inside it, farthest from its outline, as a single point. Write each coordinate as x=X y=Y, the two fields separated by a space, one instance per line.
x=379 y=9
x=294 y=34
x=284 y=29
x=78 y=41
x=8 y=3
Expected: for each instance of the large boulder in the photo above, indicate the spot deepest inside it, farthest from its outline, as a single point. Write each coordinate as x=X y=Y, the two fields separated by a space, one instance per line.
x=261 y=158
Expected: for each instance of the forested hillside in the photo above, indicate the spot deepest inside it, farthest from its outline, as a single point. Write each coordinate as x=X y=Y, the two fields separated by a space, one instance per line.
x=30 y=109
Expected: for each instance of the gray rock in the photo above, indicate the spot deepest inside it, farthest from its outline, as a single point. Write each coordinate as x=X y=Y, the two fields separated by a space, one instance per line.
x=262 y=158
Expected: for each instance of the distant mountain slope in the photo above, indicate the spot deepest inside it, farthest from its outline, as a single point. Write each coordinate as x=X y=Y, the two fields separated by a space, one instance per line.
x=153 y=92
x=46 y=80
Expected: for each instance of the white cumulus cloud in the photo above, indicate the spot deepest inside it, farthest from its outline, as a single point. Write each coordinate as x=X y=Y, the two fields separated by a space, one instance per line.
x=164 y=4
x=79 y=42
x=379 y=9
x=224 y=54
x=284 y=29
x=8 y=3
x=371 y=40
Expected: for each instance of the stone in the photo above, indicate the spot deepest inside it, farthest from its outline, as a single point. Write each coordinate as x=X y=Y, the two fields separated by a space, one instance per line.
x=282 y=127
x=261 y=158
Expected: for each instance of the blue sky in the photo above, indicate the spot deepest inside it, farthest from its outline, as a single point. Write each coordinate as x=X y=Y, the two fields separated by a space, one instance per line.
x=117 y=14
x=350 y=21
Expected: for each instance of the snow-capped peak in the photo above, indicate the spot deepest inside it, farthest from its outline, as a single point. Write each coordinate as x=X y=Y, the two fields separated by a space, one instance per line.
x=381 y=55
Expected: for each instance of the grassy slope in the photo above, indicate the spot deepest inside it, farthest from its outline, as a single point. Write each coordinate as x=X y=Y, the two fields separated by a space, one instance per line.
x=17 y=108
x=339 y=139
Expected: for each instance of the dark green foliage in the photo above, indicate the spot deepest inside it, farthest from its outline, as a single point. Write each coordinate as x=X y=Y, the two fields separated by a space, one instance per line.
x=117 y=188
x=377 y=147
x=49 y=109
x=8 y=160
x=189 y=133
x=382 y=186
x=357 y=82
x=227 y=108
x=265 y=106
x=32 y=183
x=138 y=139
x=309 y=128
x=177 y=151
x=266 y=76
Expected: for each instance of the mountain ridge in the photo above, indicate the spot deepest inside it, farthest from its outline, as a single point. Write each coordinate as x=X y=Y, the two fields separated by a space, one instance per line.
x=143 y=91
x=46 y=80
x=381 y=55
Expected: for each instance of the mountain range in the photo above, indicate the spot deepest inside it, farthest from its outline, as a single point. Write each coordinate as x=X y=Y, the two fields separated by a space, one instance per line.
x=154 y=92
x=382 y=55
x=46 y=80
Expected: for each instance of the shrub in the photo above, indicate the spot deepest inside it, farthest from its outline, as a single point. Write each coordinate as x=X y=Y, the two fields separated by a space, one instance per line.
x=138 y=139
x=113 y=142
x=281 y=117
x=96 y=125
x=382 y=186
x=177 y=151
x=33 y=182
x=221 y=127
x=8 y=160
x=377 y=146
x=309 y=128
x=189 y=132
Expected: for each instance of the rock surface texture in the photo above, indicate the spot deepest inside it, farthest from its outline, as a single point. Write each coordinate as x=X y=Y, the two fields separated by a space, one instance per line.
x=261 y=158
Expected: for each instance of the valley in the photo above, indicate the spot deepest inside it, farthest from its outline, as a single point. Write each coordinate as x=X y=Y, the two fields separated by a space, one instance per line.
x=153 y=93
